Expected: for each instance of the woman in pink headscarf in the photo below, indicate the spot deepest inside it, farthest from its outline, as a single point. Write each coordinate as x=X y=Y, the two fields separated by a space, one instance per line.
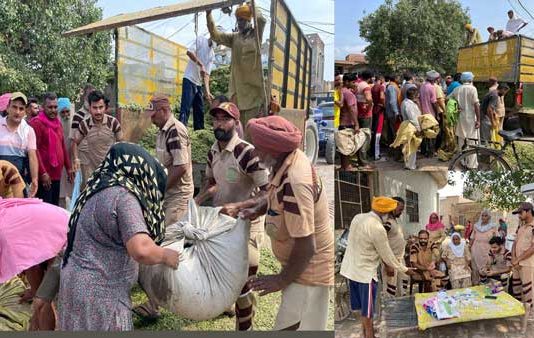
x=435 y=228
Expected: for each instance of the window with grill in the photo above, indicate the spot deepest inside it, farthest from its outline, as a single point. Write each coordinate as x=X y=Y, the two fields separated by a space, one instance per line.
x=352 y=196
x=412 y=206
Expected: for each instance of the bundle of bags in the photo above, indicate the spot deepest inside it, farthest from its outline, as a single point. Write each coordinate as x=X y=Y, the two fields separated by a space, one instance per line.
x=348 y=142
x=213 y=265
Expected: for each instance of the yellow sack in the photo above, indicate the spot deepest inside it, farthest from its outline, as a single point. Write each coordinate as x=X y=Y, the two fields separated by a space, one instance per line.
x=407 y=138
x=429 y=125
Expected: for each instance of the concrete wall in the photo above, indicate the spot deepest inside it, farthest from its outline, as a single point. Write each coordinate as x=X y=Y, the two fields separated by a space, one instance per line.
x=395 y=183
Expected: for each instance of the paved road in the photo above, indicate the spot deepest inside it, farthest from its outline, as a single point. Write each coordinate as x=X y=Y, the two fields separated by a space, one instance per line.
x=326 y=171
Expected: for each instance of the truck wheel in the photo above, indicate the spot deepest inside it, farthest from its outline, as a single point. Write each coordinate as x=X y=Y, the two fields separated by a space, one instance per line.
x=330 y=151
x=311 y=141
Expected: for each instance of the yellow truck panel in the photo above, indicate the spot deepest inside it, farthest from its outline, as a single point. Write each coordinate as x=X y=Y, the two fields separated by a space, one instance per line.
x=496 y=58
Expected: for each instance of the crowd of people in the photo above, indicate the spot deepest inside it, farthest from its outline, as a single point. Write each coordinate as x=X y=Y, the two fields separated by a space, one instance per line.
x=128 y=198
x=434 y=116
x=436 y=258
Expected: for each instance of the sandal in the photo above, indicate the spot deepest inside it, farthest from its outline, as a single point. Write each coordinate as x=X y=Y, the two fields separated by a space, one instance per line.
x=145 y=311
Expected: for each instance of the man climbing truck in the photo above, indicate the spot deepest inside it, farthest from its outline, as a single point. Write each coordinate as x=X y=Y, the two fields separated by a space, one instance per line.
x=246 y=88
x=510 y=61
x=287 y=78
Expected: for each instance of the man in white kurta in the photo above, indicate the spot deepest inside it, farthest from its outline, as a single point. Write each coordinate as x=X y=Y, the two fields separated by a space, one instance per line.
x=467 y=129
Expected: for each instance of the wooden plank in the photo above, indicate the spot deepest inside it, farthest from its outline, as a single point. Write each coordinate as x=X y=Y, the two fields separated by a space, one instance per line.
x=527 y=60
x=527 y=69
x=526 y=78
x=157 y=13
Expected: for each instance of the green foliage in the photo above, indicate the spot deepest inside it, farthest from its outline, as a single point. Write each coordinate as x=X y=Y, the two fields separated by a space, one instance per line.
x=201 y=142
x=134 y=107
x=35 y=57
x=525 y=151
x=219 y=80
x=415 y=35
x=497 y=190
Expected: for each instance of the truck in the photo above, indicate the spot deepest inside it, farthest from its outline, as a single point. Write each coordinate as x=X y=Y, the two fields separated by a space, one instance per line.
x=511 y=61
x=146 y=63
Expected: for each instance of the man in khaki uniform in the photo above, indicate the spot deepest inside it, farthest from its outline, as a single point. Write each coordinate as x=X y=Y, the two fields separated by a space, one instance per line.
x=233 y=174
x=173 y=150
x=83 y=148
x=100 y=131
x=246 y=88
x=394 y=282
x=523 y=254
x=298 y=224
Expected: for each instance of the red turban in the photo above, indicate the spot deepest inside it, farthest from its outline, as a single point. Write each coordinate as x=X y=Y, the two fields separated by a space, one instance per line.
x=274 y=134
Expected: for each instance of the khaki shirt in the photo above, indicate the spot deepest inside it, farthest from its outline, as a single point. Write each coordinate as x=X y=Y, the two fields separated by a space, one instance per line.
x=173 y=148
x=237 y=173
x=99 y=138
x=524 y=239
x=246 y=73
x=395 y=237
x=458 y=268
x=367 y=246
x=298 y=208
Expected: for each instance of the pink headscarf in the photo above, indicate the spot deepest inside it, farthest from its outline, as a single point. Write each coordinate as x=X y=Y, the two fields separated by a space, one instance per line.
x=54 y=129
x=434 y=226
x=32 y=233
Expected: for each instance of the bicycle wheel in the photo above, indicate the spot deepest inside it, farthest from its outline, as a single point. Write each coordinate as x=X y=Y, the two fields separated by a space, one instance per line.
x=486 y=160
x=342 y=299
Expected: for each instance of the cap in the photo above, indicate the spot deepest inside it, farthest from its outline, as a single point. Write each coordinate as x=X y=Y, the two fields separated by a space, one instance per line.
x=157 y=102
x=432 y=75
x=18 y=95
x=244 y=12
x=228 y=108
x=523 y=206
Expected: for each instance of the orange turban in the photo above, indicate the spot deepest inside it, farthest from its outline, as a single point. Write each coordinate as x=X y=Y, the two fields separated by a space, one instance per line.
x=383 y=204
x=274 y=134
x=244 y=12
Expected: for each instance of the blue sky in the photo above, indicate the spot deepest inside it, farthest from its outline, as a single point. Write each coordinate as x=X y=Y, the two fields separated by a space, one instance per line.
x=483 y=13
x=317 y=13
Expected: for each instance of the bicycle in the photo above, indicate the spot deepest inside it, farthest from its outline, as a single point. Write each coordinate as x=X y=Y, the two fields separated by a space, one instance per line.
x=489 y=158
x=342 y=297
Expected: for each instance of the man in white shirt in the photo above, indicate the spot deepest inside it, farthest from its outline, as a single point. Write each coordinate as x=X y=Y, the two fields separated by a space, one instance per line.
x=515 y=24
x=367 y=246
x=201 y=56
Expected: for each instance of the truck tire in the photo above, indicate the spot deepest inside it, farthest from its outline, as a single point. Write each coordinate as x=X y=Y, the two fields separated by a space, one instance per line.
x=330 y=151
x=311 y=141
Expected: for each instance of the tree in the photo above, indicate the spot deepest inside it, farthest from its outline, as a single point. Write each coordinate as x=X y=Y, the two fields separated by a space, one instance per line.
x=415 y=35
x=35 y=57
x=497 y=190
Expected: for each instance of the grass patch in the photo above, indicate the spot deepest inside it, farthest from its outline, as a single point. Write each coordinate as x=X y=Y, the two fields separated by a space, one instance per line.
x=525 y=152
x=263 y=321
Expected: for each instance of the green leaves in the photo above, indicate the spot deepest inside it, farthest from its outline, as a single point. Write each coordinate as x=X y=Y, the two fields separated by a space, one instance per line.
x=35 y=57
x=497 y=190
x=415 y=35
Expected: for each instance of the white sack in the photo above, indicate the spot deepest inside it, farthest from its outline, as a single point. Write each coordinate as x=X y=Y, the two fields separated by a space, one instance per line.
x=212 y=270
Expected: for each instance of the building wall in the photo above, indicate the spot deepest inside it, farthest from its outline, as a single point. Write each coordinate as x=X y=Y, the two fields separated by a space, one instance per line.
x=395 y=183
x=317 y=62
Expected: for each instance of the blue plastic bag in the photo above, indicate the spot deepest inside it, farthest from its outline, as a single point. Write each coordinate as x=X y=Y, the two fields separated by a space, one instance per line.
x=75 y=190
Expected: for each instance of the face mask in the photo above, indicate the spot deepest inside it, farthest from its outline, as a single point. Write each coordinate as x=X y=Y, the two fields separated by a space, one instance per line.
x=223 y=136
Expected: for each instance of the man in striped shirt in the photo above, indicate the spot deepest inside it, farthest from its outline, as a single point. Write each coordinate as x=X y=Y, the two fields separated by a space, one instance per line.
x=298 y=223
x=173 y=150
x=100 y=131
x=233 y=174
x=423 y=256
x=79 y=116
x=18 y=143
